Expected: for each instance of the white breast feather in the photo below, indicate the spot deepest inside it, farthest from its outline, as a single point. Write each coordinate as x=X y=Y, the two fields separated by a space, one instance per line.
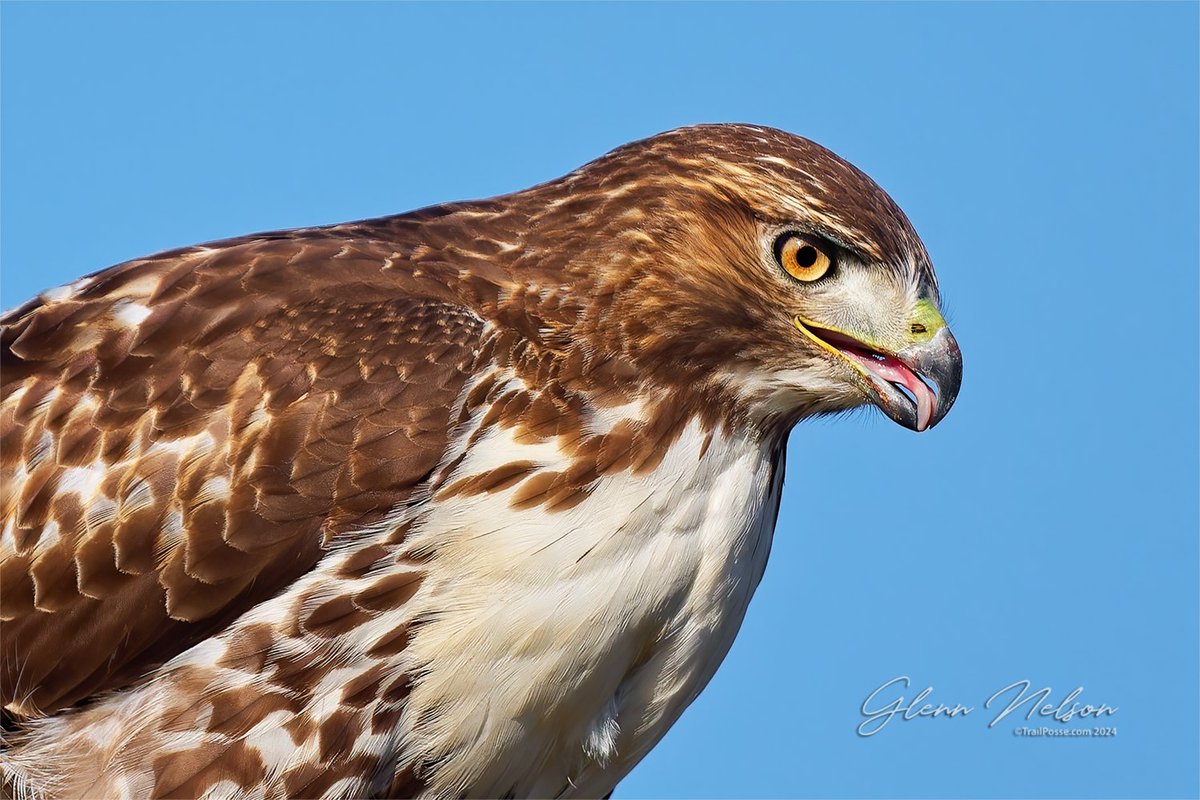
x=655 y=568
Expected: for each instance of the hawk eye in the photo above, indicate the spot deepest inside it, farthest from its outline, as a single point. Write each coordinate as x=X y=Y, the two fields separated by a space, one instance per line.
x=803 y=258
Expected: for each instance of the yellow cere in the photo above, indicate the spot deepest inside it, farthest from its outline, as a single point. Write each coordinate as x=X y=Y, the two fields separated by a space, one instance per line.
x=926 y=322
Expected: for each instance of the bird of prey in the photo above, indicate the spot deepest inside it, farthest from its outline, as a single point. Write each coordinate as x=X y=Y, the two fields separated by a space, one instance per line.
x=463 y=502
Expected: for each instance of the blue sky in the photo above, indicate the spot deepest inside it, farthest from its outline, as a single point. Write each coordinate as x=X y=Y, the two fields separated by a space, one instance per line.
x=1047 y=154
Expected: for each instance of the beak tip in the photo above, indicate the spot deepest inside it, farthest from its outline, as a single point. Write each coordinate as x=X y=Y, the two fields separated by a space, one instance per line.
x=938 y=362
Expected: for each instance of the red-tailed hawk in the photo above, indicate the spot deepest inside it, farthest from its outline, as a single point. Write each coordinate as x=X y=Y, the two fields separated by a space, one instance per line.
x=464 y=502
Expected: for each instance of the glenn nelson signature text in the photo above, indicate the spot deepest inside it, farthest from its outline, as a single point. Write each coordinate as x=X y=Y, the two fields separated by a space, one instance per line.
x=889 y=701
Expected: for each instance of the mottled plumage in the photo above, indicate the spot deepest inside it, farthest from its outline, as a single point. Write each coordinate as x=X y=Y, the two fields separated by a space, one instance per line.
x=467 y=501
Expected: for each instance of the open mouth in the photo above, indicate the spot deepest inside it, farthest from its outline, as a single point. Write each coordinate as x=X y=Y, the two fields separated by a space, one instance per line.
x=891 y=377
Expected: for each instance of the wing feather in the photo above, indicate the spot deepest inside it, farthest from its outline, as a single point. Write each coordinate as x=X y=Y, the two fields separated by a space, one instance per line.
x=183 y=434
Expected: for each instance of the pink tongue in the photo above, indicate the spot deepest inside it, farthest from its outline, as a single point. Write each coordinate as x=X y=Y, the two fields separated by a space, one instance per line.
x=893 y=371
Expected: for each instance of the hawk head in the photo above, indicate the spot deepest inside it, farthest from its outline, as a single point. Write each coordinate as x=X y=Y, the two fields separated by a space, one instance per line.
x=758 y=265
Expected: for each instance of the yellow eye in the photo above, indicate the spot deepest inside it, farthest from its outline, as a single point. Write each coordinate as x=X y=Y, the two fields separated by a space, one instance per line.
x=804 y=259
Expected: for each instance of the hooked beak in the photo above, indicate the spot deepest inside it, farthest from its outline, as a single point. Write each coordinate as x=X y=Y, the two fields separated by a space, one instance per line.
x=915 y=385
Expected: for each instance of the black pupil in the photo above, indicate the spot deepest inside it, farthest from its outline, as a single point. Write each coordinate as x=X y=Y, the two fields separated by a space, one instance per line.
x=806 y=256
